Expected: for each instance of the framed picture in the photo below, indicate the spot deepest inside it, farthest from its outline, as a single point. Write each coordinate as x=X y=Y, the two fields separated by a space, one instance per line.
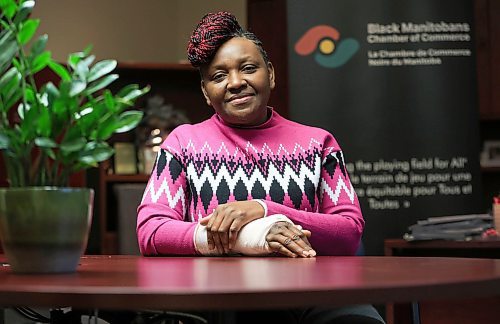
x=490 y=156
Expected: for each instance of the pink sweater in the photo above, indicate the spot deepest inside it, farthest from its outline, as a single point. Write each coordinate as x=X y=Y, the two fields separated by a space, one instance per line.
x=297 y=170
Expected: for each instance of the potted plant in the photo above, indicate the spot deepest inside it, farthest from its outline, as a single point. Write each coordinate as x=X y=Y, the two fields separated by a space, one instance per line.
x=48 y=132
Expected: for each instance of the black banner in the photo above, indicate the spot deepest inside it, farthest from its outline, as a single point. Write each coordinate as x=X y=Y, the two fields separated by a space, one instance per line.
x=395 y=83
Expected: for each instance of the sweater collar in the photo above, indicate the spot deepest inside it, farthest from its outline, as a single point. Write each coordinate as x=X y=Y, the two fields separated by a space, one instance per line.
x=271 y=121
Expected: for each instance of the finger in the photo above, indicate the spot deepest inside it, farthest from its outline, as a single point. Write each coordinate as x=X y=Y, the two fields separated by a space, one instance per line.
x=211 y=220
x=210 y=240
x=204 y=220
x=296 y=235
x=218 y=243
x=307 y=235
x=296 y=247
x=223 y=239
x=234 y=229
x=303 y=234
x=300 y=242
x=211 y=230
x=219 y=228
x=280 y=248
x=225 y=231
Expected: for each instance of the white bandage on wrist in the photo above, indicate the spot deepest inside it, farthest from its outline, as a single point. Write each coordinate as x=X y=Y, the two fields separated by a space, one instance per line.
x=263 y=204
x=251 y=238
x=201 y=241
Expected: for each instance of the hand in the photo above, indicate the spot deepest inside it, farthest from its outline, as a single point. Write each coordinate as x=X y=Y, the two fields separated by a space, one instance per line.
x=290 y=240
x=226 y=221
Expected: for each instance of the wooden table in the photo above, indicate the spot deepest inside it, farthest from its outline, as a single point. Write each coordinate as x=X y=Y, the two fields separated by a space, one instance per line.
x=130 y=282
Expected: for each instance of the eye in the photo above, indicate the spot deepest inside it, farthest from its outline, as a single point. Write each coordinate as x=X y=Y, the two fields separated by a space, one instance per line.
x=249 y=68
x=218 y=76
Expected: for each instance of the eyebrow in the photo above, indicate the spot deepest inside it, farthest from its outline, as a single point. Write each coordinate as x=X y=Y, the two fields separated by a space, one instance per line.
x=240 y=60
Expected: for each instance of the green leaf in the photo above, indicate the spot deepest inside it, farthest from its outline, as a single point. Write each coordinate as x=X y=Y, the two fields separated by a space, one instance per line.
x=11 y=100
x=101 y=68
x=95 y=152
x=77 y=86
x=60 y=70
x=8 y=7
x=29 y=94
x=73 y=145
x=45 y=142
x=101 y=83
x=74 y=58
x=134 y=94
x=107 y=126
x=8 y=50
x=27 y=30
x=40 y=62
x=11 y=74
x=128 y=120
x=82 y=68
x=51 y=90
x=28 y=124
x=39 y=45
x=44 y=124
x=50 y=153
x=88 y=49
x=23 y=12
x=10 y=88
x=109 y=100
x=22 y=109
x=4 y=141
x=126 y=89
x=88 y=60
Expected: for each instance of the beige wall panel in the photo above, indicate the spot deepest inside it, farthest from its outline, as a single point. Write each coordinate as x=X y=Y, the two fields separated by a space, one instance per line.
x=127 y=30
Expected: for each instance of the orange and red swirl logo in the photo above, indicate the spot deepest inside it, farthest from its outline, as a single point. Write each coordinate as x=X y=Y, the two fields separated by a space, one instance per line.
x=329 y=50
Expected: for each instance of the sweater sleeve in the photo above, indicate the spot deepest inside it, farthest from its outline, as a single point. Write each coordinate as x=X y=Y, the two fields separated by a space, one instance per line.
x=162 y=227
x=338 y=224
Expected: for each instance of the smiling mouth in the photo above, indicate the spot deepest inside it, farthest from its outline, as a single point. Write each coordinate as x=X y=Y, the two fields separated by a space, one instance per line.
x=240 y=99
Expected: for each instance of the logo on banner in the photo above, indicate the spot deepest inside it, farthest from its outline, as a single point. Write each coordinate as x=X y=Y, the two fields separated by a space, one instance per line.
x=329 y=50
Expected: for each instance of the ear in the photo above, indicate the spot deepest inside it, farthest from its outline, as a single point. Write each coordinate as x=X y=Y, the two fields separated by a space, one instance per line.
x=270 y=69
x=205 y=94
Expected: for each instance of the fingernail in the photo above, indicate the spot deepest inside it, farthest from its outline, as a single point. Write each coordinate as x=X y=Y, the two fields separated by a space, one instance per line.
x=305 y=253
x=312 y=253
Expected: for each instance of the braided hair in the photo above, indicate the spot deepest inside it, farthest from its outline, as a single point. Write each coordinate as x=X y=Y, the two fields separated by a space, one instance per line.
x=213 y=30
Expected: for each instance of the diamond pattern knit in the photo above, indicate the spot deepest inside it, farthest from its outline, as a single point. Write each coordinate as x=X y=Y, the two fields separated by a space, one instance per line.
x=297 y=170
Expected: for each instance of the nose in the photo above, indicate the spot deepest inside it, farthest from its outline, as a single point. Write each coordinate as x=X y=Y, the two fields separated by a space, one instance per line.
x=235 y=81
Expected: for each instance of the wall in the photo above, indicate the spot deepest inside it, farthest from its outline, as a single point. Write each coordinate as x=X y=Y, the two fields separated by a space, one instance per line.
x=127 y=30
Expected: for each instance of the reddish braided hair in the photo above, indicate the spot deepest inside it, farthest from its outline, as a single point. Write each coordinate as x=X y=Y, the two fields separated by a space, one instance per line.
x=213 y=30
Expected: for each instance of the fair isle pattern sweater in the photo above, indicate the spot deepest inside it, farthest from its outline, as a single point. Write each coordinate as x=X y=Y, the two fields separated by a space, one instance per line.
x=297 y=170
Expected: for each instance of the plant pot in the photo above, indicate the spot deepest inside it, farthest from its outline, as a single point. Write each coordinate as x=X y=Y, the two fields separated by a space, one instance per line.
x=45 y=229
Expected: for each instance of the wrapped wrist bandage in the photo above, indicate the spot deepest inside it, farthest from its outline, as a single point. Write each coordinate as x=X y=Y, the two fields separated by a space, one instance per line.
x=251 y=238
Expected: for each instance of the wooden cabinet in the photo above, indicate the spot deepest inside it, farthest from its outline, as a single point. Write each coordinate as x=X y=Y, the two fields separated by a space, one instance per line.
x=178 y=85
x=472 y=310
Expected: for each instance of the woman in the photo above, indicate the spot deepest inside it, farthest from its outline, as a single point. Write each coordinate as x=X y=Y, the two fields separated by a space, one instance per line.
x=247 y=180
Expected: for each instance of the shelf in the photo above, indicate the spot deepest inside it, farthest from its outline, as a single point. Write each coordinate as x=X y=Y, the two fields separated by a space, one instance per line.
x=489 y=116
x=156 y=66
x=179 y=85
x=126 y=178
x=492 y=169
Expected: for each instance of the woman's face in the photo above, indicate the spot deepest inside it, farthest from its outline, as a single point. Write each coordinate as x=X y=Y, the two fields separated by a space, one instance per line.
x=237 y=83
